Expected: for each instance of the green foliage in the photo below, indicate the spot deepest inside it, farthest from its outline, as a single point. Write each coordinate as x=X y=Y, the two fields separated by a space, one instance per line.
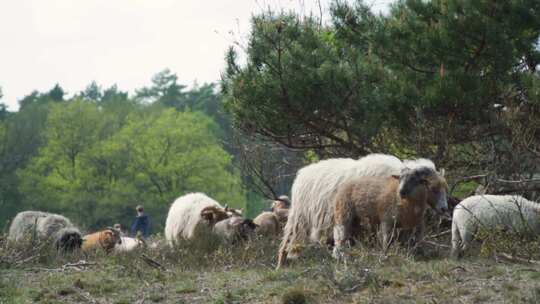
x=20 y=138
x=56 y=94
x=165 y=90
x=97 y=164
x=301 y=87
x=420 y=80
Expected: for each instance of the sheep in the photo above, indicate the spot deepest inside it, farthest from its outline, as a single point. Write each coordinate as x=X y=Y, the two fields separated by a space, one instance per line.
x=47 y=227
x=128 y=244
x=234 y=228
x=191 y=212
x=395 y=202
x=280 y=208
x=106 y=239
x=268 y=224
x=313 y=190
x=488 y=212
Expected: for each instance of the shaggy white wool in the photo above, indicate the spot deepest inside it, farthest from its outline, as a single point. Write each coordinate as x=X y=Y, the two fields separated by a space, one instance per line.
x=417 y=163
x=511 y=212
x=185 y=216
x=314 y=188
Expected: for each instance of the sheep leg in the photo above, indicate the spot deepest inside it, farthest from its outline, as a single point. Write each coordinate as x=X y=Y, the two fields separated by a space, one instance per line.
x=456 y=243
x=282 y=253
x=387 y=230
x=343 y=219
x=415 y=238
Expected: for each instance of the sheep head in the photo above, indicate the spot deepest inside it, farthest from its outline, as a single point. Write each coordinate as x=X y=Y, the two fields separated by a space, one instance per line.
x=113 y=235
x=233 y=212
x=213 y=214
x=431 y=182
x=68 y=239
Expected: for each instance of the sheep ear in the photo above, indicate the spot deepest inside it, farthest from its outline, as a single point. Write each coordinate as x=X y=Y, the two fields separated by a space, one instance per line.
x=442 y=172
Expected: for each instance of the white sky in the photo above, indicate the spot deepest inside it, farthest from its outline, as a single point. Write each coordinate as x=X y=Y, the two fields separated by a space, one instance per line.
x=123 y=42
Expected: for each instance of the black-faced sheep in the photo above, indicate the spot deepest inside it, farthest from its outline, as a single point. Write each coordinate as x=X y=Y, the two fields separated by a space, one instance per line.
x=489 y=212
x=395 y=203
x=46 y=227
x=310 y=218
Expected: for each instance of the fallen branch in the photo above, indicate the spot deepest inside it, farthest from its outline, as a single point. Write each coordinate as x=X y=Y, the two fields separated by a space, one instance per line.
x=517 y=259
x=466 y=179
x=152 y=262
x=436 y=244
x=434 y=236
x=80 y=266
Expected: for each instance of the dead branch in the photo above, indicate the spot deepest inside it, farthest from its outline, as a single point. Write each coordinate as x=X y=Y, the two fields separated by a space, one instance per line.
x=79 y=266
x=466 y=179
x=436 y=244
x=434 y=236
x=512 y=258
x=152 y=262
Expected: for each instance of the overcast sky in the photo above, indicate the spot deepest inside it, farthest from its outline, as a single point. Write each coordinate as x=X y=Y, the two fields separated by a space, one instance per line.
x=123 y=42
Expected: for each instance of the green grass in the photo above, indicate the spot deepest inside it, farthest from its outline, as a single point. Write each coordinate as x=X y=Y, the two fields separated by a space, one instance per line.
x=195 y=272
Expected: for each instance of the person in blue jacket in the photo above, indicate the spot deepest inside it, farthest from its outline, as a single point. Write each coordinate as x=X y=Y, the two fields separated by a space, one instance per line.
x=141 y=223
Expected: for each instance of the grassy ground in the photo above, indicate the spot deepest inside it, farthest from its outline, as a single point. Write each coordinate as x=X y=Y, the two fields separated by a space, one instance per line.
x=207 y=272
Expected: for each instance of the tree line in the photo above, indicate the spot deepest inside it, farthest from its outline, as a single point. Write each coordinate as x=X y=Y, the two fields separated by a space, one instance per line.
x=96 y=155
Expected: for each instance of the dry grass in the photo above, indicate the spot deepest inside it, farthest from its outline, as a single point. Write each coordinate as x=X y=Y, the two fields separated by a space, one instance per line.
x=208 y=271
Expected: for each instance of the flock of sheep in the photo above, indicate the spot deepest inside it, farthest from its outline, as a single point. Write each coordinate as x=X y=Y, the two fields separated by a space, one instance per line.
x=334 y=202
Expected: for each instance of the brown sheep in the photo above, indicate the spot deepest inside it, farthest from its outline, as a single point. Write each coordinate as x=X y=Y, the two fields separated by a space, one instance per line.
x=268 y=224
x=396 y=202
x=105 y=239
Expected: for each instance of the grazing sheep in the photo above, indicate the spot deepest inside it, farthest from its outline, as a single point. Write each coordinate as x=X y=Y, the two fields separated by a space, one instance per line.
x=189 y=213
x=268 y=224
x=235 y=228
x=393 y=203
x=106 y=239
x=128 y=244
x=46 y=226
x=489 y=212
x=311 y=215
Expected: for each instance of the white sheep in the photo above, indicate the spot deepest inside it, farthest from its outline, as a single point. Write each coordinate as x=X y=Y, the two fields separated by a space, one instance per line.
x=489 y=212
x=310 y=217
x=128 y=244
x=46 y=227
x=191 y=212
